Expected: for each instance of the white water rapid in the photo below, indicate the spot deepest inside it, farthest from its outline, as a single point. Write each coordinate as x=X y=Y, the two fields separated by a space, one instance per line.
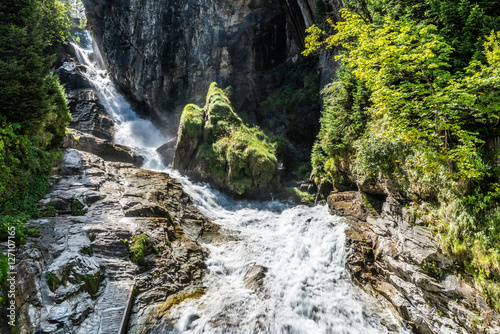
x=306 y=288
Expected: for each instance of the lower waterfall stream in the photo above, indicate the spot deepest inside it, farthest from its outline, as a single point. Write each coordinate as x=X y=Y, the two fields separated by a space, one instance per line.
x=300 y=251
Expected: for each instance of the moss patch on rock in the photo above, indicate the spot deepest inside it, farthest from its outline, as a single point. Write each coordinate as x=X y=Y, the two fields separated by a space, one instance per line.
x=178 y=298
x=91 y=282
x=235 y=156
x=139 y=245
x=192 y=120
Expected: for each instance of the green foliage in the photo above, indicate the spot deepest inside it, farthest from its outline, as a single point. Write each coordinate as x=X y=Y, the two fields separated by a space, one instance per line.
x=304 y=196
x=138 y=247
x=77 y=208
x=431 y=72
x=33 y=108
x=23 y=177
x=244 y=155
x=4 y=268
x=29 y=93
x=343 y=121
x=49 y=211
x=302 y=88
x=52 y=281
x=462 y=23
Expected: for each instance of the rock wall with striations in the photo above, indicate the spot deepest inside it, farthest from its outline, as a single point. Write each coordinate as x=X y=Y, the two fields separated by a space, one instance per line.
x=396 y=258
x=165 y=53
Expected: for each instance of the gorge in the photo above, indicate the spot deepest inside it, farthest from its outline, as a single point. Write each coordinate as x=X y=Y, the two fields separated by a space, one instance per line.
x=207 y=260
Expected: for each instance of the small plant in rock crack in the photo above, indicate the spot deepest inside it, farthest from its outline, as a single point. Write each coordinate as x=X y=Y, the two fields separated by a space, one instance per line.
x=77 y=208
x=92 y=236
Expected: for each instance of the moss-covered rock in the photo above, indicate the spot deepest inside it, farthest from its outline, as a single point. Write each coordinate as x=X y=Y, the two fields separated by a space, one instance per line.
x=140 y=246
x=188 y=137
x=215 y=145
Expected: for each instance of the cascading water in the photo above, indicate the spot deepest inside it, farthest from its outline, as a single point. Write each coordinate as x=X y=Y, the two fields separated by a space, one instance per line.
x=299 y=249
x=130 y=129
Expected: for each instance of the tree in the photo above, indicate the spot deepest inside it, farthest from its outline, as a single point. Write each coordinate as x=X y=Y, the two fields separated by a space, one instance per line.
x=28 y=94
x=406 y=65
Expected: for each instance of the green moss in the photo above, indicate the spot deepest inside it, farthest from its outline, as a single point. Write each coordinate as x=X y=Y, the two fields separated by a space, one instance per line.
x=192 y=120
x=240 y=156
x=178 y=298
x=216 y=159
x=138 y=245
x=304 y=196
x=91 y=282
x=87 y=251
x=49 y=211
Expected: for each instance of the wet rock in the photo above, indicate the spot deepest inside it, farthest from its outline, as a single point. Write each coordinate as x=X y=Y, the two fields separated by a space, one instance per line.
x=355 y=204
x=72 y=272
x=77 y=274
x=87 y=112
x=254 y=278
x=167 y=151
x=402 y=264
x=102 y=148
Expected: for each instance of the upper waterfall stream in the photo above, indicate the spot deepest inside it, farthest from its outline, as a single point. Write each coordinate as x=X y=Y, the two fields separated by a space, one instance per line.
x=306 y=287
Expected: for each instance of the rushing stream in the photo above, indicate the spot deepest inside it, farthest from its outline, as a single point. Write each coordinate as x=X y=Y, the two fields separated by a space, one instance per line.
x=306 y=288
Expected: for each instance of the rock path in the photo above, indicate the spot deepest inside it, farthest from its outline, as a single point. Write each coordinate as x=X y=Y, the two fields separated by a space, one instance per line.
x=76 y=275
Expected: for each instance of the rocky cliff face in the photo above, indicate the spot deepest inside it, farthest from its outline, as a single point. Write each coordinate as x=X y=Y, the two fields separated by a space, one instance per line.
x=88 y=114
x=164 y=53
x=76 y=275
x=397 y=259
x=106 y=226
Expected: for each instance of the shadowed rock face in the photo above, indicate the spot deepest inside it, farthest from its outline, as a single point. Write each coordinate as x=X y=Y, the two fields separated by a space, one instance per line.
x=165 y=54
x=396 y=258
x=88 y=114
x=75 y=277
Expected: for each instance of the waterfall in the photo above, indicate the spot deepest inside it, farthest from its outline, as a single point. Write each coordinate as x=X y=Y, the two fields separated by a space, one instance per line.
x=300 y=251
x=130 y=129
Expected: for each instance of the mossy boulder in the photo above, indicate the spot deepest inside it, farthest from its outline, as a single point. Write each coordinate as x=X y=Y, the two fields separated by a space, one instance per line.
x=215 y=145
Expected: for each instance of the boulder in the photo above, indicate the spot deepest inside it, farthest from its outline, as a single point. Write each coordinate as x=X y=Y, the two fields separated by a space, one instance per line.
x=355 y=204
x=167 y=151
x=403 y=265
x=254 y=278
x=103 y=148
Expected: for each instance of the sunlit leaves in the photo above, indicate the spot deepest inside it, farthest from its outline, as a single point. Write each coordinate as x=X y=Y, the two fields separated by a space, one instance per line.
x=406 y=66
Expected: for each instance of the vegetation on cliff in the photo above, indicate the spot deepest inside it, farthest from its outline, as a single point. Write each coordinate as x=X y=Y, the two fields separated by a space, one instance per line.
x=215 y=144
x=417 y=104
x=33 y=109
